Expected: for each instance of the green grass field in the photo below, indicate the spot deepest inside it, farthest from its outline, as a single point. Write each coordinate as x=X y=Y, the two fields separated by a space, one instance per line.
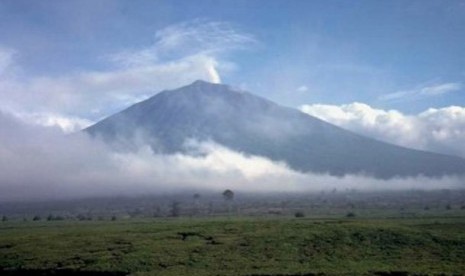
x=236 y=246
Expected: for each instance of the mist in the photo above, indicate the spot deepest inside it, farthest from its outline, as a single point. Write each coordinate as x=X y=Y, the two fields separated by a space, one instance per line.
x=44 y=163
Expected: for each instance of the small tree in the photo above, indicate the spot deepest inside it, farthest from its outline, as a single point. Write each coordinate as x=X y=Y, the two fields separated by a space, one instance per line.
x=81 y=217
x=36 y=218
x=211 y=208
x=299 y=214
x=350 y=215
x=228 y=196
x=196 y=197
x=175 y=210
x=4 y=218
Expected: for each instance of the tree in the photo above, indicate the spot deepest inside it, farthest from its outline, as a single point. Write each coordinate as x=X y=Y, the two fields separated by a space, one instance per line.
x=4 y=218
x=299 y=214
x=175 y=210
x=350 y=215
x=228 y=195
x=196 y=197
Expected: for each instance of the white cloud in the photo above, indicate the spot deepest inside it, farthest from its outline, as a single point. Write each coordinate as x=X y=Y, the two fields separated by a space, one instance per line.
x=66 y=124
x=179 y=55
x=439 y=130
x=440 y=89
x=424 y=91
x=201 y=37
x=189 y=39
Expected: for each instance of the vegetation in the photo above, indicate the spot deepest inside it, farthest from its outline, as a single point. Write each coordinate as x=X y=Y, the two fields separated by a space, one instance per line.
x=240 y=246
x=350 y=215
x=228 y=195
x=325 y=233
x=299 y=214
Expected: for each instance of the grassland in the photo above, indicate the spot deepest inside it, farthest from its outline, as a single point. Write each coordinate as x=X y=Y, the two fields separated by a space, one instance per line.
x=236 y=246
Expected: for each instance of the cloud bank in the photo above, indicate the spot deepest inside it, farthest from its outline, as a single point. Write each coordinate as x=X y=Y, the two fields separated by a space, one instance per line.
x=439 y=130
x=40 y=163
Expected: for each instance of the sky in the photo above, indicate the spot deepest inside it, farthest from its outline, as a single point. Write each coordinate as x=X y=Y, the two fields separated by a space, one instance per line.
x=391 y=70
x=403 y=55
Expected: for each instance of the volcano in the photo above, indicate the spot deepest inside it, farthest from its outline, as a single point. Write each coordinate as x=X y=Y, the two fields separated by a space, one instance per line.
x=253 y=125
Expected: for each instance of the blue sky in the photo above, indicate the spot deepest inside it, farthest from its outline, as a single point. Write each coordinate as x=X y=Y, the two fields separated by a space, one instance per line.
x=403 y=55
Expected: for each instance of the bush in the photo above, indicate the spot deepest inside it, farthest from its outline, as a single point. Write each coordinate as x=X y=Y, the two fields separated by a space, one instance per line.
x=299 y=214
x=350 y=215
x=51 y=217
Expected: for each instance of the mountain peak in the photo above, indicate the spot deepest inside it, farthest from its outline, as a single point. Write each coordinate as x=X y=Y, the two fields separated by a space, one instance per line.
x=211 y=85
x=202 y=82
x=205 y=84
x=207 y=88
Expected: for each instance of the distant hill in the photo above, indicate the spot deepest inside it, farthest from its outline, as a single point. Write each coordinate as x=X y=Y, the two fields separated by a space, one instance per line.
x=253 y=125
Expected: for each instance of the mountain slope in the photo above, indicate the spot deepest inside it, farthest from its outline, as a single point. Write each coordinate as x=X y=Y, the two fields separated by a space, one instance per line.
x=256 y=126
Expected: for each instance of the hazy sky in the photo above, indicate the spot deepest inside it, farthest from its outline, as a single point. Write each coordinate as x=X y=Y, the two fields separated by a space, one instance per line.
x=392 y=70
x=405 y=55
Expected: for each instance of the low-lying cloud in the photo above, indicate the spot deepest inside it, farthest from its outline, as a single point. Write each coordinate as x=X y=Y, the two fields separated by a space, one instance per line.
x=436 y=129
x=44 y=163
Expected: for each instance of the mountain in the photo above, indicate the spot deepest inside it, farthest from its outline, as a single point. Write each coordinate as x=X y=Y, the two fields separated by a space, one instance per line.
x=253 y=125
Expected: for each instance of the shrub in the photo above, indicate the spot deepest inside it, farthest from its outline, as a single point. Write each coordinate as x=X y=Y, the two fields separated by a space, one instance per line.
x=299 y=214
x=350 y=215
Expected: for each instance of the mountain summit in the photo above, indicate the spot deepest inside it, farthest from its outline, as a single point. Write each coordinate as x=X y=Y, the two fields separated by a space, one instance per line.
x=253 y=125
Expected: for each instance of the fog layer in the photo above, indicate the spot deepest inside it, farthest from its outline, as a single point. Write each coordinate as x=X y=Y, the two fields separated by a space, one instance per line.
x=39 y=163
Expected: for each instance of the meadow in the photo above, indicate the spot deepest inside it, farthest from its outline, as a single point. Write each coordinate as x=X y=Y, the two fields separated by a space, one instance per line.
x=325 y=233
x=231 y=245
